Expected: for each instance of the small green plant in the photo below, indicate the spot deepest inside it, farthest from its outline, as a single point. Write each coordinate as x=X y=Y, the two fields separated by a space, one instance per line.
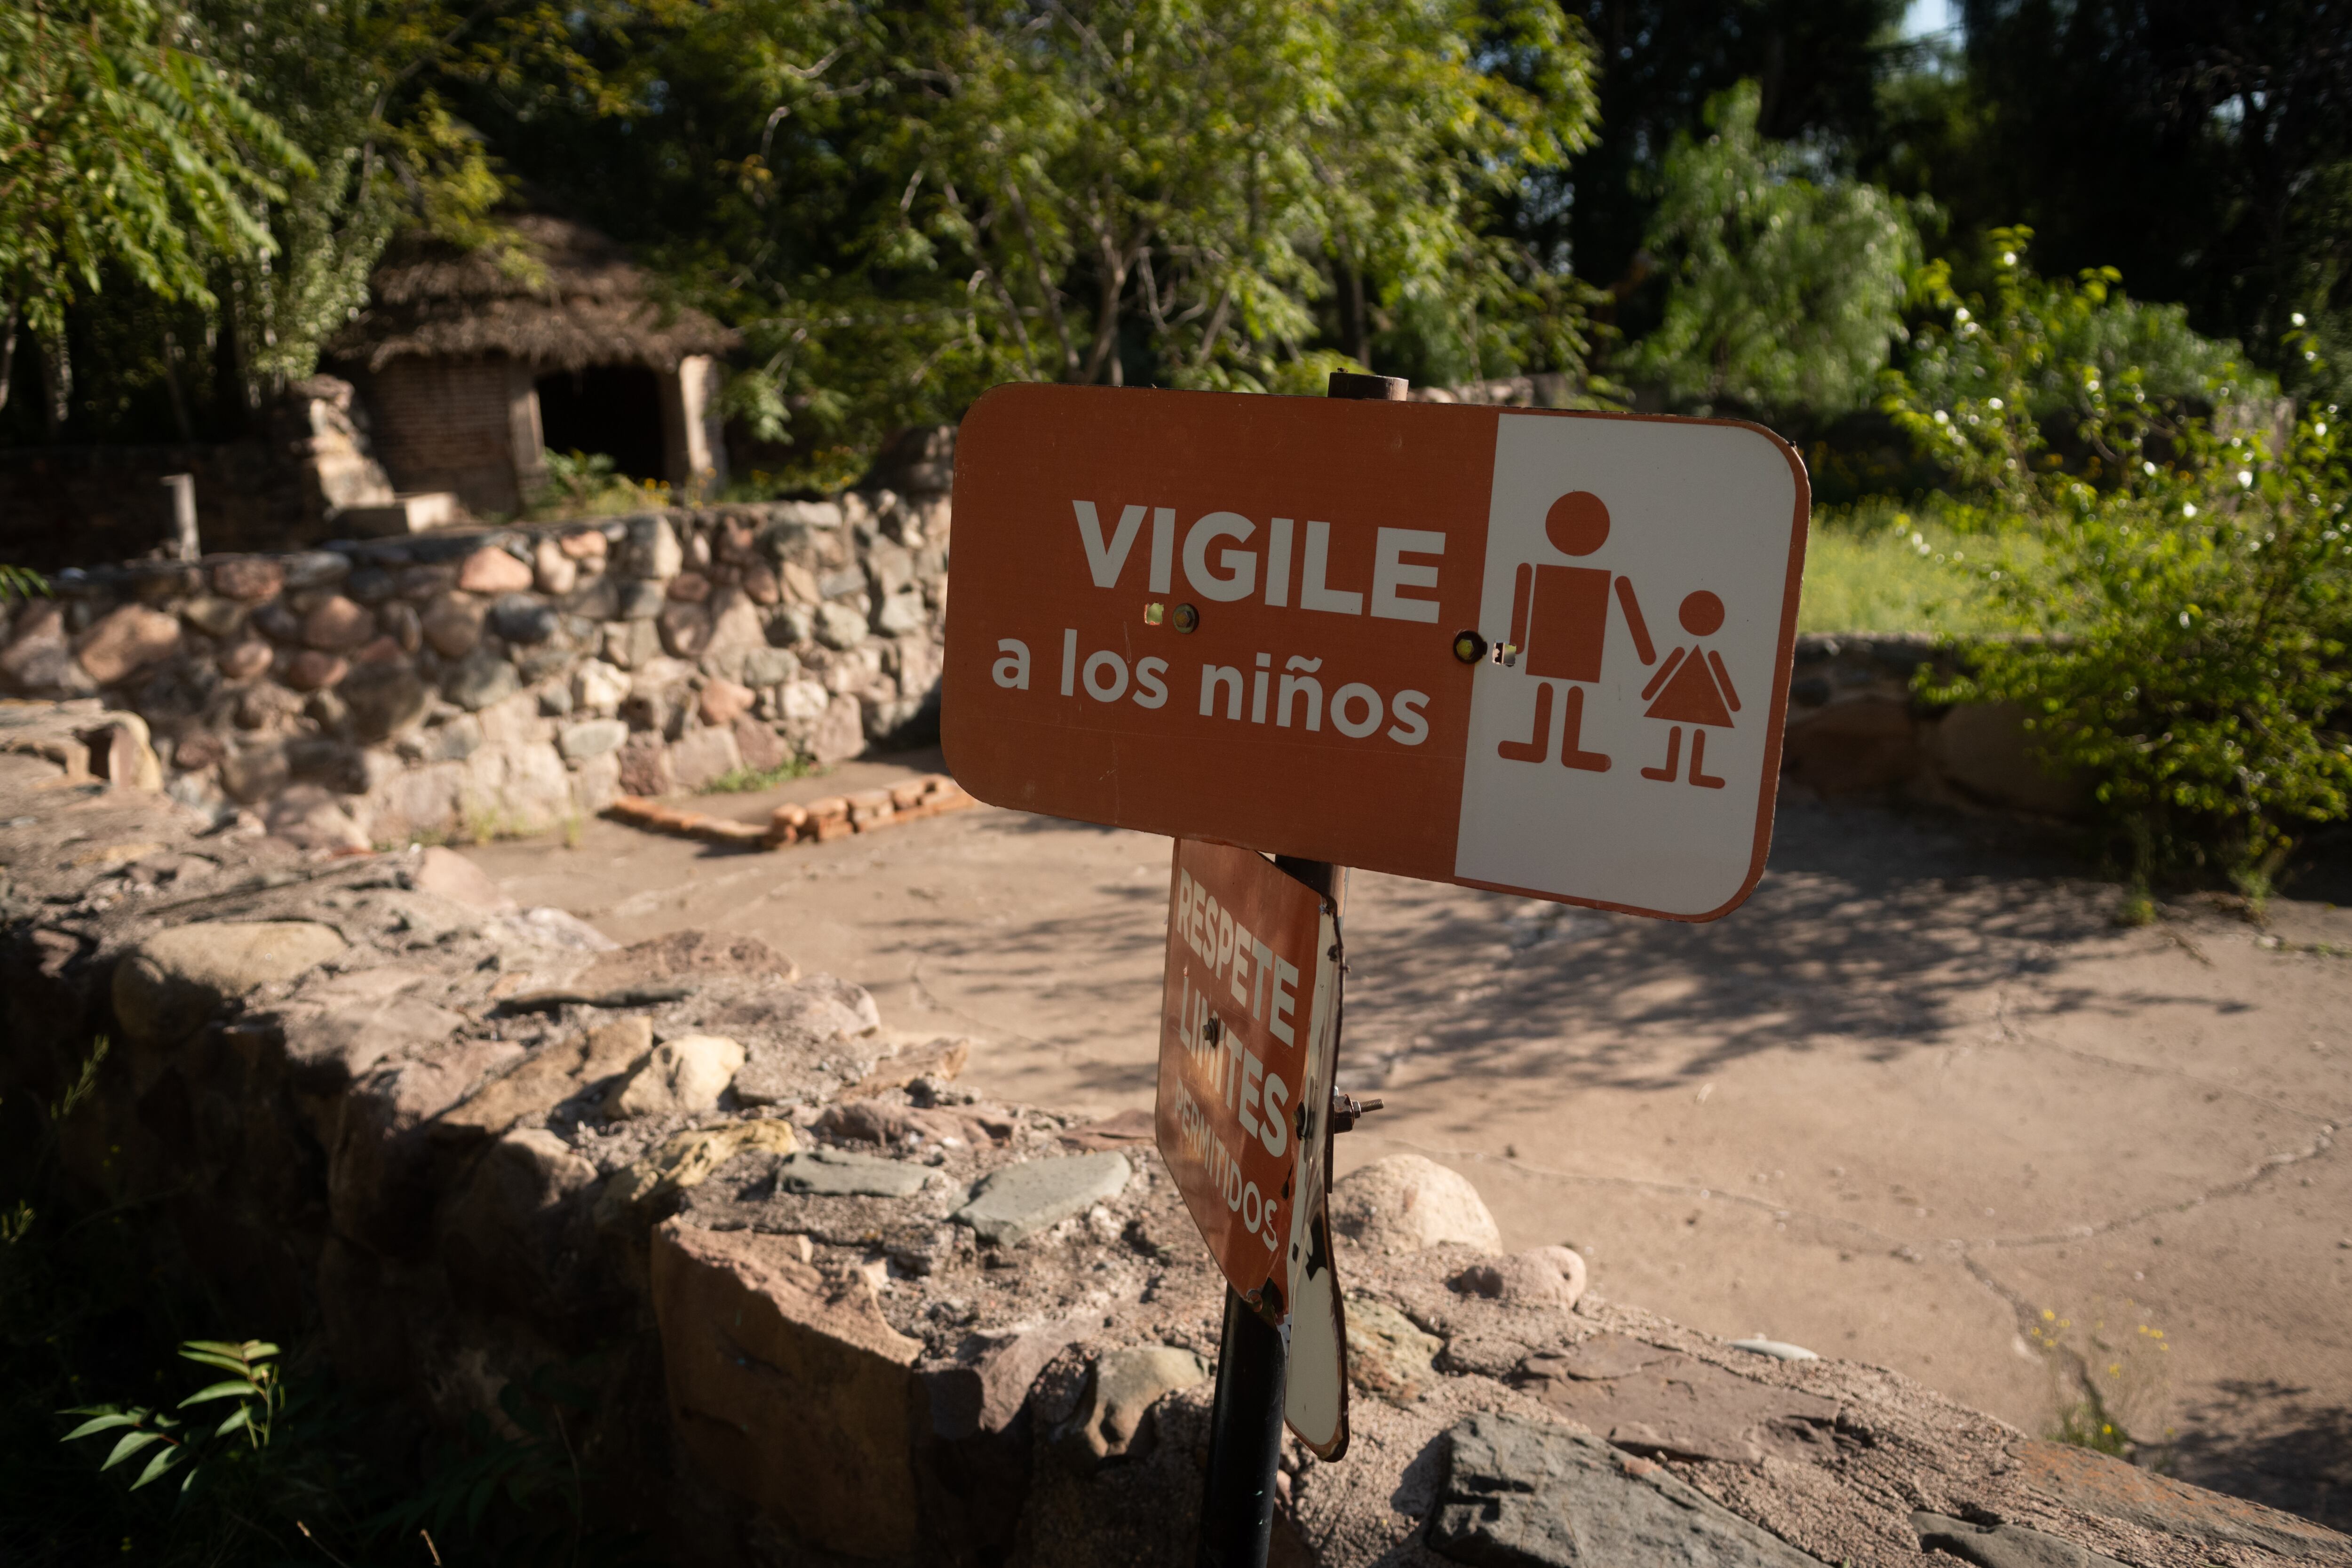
x=21 y=583
x=485 y=822
x=587 y=484
x=2256 y=885
x=745 y=781
x=2086 y=1423
x=252 y=1383
x=824 y=471
x=531 y=1476
x=2110 y=1386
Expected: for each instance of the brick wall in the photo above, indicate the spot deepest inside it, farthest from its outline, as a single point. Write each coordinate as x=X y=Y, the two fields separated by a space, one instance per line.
x=441 y=424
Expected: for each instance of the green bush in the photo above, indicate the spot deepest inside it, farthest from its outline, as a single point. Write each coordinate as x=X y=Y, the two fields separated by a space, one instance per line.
x=1987 y=384
x=2180 y=605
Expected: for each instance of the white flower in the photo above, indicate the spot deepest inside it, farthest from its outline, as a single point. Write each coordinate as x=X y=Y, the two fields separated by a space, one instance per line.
x=2245 y=478
x=2187 y=508
x=1995 y=403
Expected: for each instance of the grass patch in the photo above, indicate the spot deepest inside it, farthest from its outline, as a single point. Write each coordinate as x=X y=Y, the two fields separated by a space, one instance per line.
x=1879 y=567
x=747 y=781
x=486 y=822
x=2112 y=1384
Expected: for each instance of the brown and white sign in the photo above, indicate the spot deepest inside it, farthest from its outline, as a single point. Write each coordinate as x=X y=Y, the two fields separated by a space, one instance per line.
x=1243 y=618
x=1247 y=1041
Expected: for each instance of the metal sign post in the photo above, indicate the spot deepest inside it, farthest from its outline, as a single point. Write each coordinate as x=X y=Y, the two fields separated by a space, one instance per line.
x=1537 y=652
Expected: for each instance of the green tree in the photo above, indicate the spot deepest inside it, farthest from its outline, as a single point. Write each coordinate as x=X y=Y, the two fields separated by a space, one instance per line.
x=120 y=148
x=330 y=125
x=1817 y=64
x=903 y=203
x=1785 y=285
x=364 y=87
x=2203 y=149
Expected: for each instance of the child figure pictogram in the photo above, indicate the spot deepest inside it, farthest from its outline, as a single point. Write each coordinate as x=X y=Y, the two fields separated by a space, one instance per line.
x=1692 y=688
x=1559 y=620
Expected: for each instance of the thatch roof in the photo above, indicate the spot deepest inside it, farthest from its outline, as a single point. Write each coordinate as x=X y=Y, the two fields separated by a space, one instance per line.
x=571 y=298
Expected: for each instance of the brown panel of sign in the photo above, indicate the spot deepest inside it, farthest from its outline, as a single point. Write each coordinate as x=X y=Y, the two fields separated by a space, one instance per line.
x=1244 y=619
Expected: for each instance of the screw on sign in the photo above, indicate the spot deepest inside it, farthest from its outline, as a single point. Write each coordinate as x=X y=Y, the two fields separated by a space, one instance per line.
x=1538 y=652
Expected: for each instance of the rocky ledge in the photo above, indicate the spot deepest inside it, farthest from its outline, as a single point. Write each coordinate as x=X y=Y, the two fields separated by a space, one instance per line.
x=837 y=1308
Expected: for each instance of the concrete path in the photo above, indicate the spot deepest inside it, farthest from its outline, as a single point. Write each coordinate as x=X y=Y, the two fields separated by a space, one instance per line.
x=1916 y=1103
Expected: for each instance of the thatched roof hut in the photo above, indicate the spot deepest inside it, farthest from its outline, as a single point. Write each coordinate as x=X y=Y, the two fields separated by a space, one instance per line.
x=474 y=362
x=565 y=298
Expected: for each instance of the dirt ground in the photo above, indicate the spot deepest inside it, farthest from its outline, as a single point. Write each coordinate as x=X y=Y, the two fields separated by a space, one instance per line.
x=1918 y=1102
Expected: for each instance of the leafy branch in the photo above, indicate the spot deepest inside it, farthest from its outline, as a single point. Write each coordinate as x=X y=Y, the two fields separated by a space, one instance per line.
x=170 y=1442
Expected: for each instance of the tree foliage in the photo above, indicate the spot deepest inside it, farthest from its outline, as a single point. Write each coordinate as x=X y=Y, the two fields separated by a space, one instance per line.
x=2204 y=150
x=1816 y=63
x=198 y=189
x=120 y=148
x=1785 y=285
x=902 y=204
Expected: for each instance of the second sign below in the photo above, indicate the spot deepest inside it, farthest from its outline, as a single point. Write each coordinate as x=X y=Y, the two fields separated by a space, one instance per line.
x=1248 y=1040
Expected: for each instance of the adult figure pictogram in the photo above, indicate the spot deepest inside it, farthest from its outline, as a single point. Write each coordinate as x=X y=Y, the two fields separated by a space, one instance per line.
x=1559 y=622
x=1692 y=687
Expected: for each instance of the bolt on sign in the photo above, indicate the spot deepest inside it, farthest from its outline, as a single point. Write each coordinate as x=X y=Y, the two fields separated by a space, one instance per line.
x=1248 y=1041
x=1539 y=652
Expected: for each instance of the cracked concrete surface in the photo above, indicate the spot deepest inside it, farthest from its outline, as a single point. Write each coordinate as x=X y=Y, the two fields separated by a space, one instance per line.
x=1916 y=1094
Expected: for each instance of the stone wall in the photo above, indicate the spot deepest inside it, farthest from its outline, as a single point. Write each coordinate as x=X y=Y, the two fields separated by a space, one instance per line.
x=1857 y=727
x=278 y=489
x=828 y=1306
x=505 y=681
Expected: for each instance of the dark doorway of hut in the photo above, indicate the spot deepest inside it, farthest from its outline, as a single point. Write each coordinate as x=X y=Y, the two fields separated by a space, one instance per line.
x=615 y=409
